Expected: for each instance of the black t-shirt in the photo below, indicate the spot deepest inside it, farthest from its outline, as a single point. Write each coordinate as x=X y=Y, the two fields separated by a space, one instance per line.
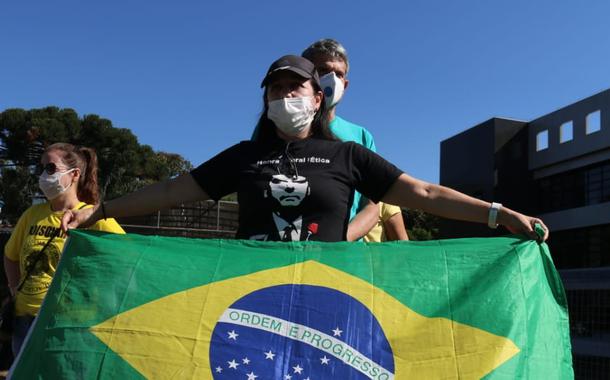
x=300 y=190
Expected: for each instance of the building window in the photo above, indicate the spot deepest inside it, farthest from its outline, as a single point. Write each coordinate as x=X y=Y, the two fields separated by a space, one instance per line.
x=576 y=188
x=597 y=184
x=566 y=132
x=561 y=191
x=542 y=140
x=594 y=123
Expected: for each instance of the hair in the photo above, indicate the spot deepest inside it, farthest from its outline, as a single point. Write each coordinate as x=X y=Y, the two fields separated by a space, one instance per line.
x=85 y=160
x=319 y=125
x=327 y=47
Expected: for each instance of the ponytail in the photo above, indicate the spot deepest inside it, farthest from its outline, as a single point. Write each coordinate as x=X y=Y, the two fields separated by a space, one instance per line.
x=88 y=190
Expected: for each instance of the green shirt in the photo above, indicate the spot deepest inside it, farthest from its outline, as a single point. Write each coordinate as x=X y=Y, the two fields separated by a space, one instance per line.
x=346 y=131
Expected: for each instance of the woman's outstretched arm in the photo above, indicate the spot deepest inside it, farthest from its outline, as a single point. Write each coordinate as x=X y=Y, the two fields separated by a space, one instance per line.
x=442 y=201
x=158 y=196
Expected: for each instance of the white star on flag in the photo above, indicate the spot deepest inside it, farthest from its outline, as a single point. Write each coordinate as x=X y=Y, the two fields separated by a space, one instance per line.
x=287 y=377
x=218 y=369
x=251 y=376
x=233 y=364
x=269 y=355
x=337 y=332
x=324 y=360
x=245 y=360
x=233 y=335
x=298 y=369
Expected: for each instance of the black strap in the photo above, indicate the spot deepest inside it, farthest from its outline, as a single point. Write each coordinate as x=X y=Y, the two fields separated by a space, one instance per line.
x=32 y=265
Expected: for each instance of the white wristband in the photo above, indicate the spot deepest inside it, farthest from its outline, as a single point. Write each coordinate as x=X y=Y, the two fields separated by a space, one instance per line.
x=493 y=214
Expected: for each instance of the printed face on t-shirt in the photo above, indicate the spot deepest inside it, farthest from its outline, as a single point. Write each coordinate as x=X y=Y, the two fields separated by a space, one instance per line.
x=289 y=191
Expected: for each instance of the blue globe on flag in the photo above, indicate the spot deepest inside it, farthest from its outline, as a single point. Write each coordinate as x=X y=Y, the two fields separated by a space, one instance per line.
x=303 y=332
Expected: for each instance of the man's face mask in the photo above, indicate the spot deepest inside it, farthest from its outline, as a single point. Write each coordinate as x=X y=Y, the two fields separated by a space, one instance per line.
x=333 y=89
x=292 y=115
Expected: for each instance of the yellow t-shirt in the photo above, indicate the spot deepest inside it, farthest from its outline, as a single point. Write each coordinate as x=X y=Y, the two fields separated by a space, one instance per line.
x=377 y=234
x=34 y=228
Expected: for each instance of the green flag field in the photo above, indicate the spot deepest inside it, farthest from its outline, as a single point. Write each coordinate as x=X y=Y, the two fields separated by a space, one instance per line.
x=134 y=307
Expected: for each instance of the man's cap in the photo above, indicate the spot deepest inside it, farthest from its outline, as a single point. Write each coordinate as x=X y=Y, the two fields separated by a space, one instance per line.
x=297 y=64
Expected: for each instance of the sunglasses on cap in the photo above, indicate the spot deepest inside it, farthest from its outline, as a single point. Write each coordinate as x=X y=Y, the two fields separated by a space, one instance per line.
x=50 y=168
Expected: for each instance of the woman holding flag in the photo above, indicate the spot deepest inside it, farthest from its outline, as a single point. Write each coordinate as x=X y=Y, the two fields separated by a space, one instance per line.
x=295 y=180
x=68 y=179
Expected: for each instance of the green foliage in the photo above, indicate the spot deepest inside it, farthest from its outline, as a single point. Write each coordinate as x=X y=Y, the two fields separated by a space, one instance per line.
x=230 y=197
x=124 y=164
x=166 y=165
x=17 y=188
x=420 y=225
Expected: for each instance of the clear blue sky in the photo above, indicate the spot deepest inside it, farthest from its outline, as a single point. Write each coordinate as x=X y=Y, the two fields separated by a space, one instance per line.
x=184 y=75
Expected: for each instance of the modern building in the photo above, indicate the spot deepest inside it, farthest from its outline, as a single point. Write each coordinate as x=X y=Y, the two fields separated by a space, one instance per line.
x=558 y=168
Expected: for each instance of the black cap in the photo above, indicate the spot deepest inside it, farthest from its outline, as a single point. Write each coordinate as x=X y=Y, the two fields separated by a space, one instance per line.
x=296 y=64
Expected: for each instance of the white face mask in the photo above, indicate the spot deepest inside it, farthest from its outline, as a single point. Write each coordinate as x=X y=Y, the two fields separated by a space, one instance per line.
x=333 y=88
x=292 y=115
x=50 y=184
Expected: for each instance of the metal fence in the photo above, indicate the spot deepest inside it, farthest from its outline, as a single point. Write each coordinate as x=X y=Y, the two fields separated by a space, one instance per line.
x=588 y=293
x=206 y=219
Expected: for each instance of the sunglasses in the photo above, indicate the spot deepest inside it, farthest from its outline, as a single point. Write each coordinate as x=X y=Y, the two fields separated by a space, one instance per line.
x=50 y=168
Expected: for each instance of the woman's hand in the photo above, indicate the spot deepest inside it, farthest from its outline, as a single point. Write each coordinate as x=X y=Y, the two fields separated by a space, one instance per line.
x=518 y=223
x=78 y=218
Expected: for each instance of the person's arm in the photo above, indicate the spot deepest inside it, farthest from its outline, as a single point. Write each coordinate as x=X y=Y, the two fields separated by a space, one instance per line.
x=158 y=196
x=12 y=251
x=394 y=228
x=13 y=274
x=409 y=192
x=363 y=221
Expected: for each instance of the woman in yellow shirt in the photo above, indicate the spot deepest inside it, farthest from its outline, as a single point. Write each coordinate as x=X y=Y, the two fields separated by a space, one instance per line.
x=68 y=179
x=389 y=226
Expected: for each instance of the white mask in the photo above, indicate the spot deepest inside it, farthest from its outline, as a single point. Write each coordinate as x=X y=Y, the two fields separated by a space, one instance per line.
x=333 y=88
x=50 y=184
x=292 y=115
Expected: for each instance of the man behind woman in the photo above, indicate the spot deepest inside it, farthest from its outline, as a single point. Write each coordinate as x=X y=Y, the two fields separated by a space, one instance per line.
x=373 y=223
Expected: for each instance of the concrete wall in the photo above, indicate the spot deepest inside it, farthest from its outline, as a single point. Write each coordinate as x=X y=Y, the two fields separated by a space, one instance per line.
x=467 y=160
x=578 y=217
x=582 y=144
x=489 y=162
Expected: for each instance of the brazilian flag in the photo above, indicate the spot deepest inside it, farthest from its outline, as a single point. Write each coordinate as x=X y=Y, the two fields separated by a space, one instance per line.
x=129 y=306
